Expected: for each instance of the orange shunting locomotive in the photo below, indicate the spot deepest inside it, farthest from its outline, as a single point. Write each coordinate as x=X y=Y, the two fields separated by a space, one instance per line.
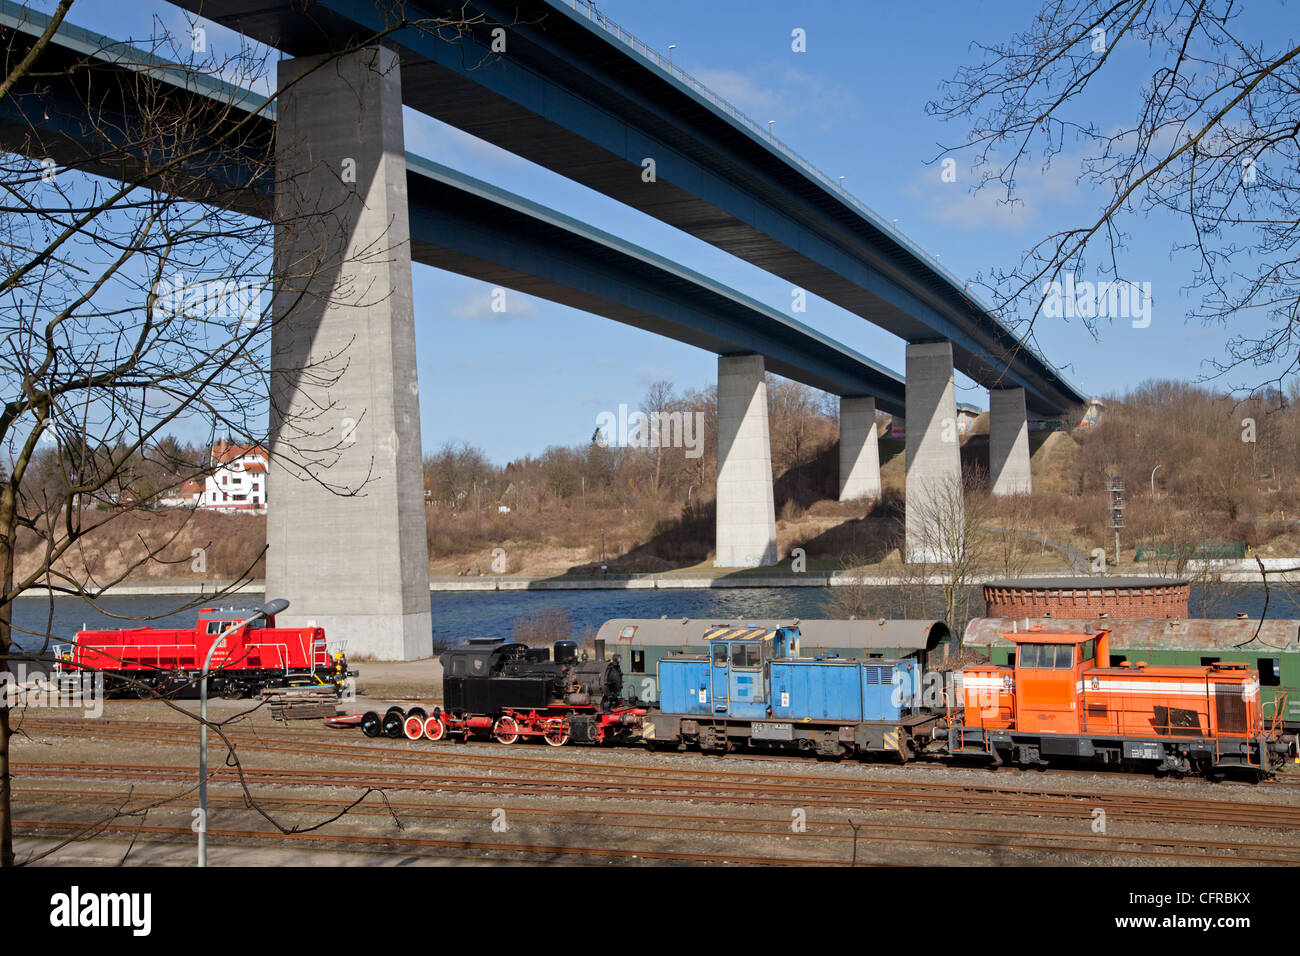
x=1061 y=698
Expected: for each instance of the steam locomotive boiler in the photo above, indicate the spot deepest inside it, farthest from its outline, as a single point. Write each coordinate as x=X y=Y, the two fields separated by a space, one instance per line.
x=493 y=687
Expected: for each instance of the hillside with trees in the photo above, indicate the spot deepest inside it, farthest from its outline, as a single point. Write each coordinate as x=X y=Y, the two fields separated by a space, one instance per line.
x=1204 y=474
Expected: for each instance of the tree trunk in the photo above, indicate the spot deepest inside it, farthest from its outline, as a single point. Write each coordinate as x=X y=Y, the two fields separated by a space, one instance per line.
x=6 y=819
x=8 y=533
x=6 y=781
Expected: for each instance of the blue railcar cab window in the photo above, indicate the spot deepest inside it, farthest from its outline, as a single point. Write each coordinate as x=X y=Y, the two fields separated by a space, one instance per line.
x=719 y=655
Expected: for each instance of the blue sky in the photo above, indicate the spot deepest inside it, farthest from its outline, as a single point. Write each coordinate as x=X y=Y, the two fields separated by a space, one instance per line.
x=853 y=104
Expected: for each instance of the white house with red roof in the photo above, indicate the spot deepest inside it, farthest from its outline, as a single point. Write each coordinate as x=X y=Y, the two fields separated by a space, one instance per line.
x=188 y=495
x=238 y=479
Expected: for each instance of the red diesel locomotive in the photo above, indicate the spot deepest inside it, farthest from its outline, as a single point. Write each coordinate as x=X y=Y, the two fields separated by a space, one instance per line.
x=168 y=661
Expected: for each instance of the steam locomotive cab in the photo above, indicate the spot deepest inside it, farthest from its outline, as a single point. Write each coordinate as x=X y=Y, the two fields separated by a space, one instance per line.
x=485 y=677
x=510 y=690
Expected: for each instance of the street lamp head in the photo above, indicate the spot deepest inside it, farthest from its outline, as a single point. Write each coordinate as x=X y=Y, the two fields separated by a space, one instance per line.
x=272 y=608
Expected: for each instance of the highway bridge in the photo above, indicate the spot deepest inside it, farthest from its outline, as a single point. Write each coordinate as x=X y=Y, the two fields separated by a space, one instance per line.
x=579 y=96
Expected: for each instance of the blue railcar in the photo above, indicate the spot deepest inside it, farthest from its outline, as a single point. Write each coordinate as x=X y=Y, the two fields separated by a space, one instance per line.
x=751 y=689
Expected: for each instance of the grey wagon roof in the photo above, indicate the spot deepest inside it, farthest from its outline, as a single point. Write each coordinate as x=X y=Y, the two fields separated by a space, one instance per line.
x=687 y=632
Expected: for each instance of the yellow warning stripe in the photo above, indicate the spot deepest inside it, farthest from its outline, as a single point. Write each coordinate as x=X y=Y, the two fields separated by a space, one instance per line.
x=724 y=633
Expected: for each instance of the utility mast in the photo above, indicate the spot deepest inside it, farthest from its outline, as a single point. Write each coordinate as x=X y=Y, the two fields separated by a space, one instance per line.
x=1116 y=510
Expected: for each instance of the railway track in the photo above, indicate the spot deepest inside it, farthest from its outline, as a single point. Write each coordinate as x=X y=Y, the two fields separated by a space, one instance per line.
x=518 y=773
x=831 y=834
x=464 y=849
x=327 y=743
x=724 y=788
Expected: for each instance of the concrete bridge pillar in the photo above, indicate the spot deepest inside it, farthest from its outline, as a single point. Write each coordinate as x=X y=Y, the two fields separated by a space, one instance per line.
x=935 y=509
x=859 y=449
x=746 y=532
x=345 y=519
x=1009 y=442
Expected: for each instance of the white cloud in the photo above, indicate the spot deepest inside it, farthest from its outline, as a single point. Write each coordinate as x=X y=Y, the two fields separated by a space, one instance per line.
x=490 y=304
x=784 y=93
x=1039 y=196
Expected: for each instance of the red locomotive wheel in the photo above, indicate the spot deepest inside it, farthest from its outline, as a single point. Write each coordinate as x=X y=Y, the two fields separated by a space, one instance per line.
x=434 y=728
x=413 y=728
x=506 y=730
x=557 y=735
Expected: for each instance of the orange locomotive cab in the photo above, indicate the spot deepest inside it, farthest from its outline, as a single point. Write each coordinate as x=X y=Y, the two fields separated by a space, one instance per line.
x=1061 y=698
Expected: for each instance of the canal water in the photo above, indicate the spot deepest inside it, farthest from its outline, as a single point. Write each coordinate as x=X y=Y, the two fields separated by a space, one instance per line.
x=465 y=614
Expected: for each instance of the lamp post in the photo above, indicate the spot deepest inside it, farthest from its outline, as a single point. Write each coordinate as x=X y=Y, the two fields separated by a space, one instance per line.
x=269 y=609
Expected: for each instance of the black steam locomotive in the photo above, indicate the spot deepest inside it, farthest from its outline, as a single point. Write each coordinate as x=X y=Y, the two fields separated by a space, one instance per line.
x=506 y=690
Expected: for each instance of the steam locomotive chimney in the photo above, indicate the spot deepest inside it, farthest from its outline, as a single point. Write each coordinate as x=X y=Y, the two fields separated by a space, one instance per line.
x=600 y=649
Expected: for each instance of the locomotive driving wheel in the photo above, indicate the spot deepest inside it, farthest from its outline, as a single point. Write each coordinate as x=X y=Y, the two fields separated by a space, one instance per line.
x=557 y=734
x=506 y=730
x=413 y=723
x=434 y=728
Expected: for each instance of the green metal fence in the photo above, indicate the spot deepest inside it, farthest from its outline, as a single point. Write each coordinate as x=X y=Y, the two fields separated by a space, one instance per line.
x=1206 y=549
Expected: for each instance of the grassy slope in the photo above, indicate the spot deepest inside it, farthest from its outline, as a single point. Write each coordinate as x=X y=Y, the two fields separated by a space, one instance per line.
x=563 y=538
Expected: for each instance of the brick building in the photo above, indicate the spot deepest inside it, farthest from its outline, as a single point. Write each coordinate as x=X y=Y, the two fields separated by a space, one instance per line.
x=1088 y=597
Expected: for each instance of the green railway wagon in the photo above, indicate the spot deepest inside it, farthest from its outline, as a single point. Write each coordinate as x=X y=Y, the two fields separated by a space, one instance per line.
x=640 y=644
x=1272 y=648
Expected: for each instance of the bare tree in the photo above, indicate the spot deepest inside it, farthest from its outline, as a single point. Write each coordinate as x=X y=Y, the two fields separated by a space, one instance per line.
x=1009 y=532
x=952 y=539
x=659 y=401
x=132 y=281
x=862 y=596
x=1211 y=138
